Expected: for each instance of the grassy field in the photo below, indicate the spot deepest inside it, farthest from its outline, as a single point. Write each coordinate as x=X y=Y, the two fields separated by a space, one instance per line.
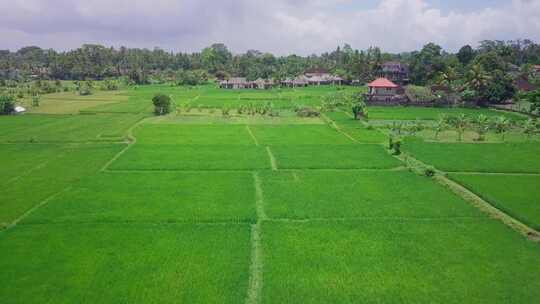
x=70 y=164
x=154 y=197
x=66 y=128
x=356 y=129
x=102 y=202
x=193 y=135
x=357 y=194
x=72 y=103
x=333 y=157
x=449 y=261
x=298 y=135
x=177 y=157
x=517 y=195
x=412 y=113
x=468 y=157
x=118 y=263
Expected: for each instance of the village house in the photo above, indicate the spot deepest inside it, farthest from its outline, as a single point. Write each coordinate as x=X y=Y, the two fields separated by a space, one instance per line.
x=263 y=84
x=523 y=84
x=382 y=91
x=236 y=83
x=310 y=77
x=396 y=72
x=299 y=81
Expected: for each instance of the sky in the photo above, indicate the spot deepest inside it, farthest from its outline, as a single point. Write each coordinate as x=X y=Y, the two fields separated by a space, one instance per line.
x=281 y=27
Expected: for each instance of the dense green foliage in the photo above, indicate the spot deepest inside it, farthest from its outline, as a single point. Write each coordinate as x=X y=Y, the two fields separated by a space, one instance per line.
x=7 y=104
x=162 y=104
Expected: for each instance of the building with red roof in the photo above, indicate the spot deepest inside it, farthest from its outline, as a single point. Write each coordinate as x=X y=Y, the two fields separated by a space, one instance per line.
x=382 y=91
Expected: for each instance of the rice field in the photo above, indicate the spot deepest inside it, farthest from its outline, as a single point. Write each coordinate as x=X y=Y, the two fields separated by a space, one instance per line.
x=520 y=157
x=517 y=195
x=108 y=204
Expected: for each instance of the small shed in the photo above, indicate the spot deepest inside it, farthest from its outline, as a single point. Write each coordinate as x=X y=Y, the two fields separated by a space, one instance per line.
x=19 y=110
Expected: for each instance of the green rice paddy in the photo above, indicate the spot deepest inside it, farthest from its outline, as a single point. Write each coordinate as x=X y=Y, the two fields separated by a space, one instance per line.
x=103 y=203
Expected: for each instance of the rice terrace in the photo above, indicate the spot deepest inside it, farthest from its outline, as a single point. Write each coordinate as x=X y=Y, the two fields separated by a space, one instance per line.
x=356 y=176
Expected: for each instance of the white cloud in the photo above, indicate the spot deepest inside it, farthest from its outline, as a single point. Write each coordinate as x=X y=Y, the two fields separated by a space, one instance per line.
x=279 y=26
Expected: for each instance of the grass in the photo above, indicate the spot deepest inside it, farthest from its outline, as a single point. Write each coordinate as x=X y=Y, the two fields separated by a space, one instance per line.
x=66 y=128
x=298 y=135
x=179 y=157
x=467 y=157
x=193 y=134
x=356 y=129
x=516 y=195
x=333 y=157
x=24 y=158
x=204 y=117
x=71 y=164
x=355 y=194
x=424 y=113
x=452 y=136
x=118 y=263
x=72 y=103
x=154 y=197
x=469 y=261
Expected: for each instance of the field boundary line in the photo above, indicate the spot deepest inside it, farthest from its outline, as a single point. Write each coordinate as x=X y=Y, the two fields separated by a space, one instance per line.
x=493 y=173
x=252 y=135
x=39 y=205
x=376 y=218
x=132 y=140
x=256 y=266
x=488 y=208
x=259 y=197
x=334 y=126
x=273 y=161
x=142 y=222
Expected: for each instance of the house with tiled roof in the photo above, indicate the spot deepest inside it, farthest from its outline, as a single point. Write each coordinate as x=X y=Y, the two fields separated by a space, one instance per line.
x=395 y=71
x=385 y=92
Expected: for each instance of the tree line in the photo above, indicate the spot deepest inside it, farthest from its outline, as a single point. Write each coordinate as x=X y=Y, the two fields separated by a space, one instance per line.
x=484 y=74
x=99 y=62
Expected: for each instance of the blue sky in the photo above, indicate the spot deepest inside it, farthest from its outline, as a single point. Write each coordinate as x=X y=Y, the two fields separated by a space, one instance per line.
x=278 y=26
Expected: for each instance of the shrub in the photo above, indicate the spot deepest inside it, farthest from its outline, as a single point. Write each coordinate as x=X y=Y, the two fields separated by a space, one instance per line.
x=429 y=171
x=162 y=104
x=307 y=112
x=36 y=99
x=7 y=104
x=397 y=147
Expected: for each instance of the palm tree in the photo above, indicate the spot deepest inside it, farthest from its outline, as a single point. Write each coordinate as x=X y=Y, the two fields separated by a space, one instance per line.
x=447 y=77
x=460 y=123
x=530 y=127
x=440 y=125
x=482 y=126
x=477 y=78
x=502 y=125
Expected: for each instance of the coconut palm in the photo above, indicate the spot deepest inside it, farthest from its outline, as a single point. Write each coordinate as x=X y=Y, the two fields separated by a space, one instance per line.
x=482 y=125
x=440 y=125
x=477 y=78
x=502 y=125
x=530 y=127
x=461 y=122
